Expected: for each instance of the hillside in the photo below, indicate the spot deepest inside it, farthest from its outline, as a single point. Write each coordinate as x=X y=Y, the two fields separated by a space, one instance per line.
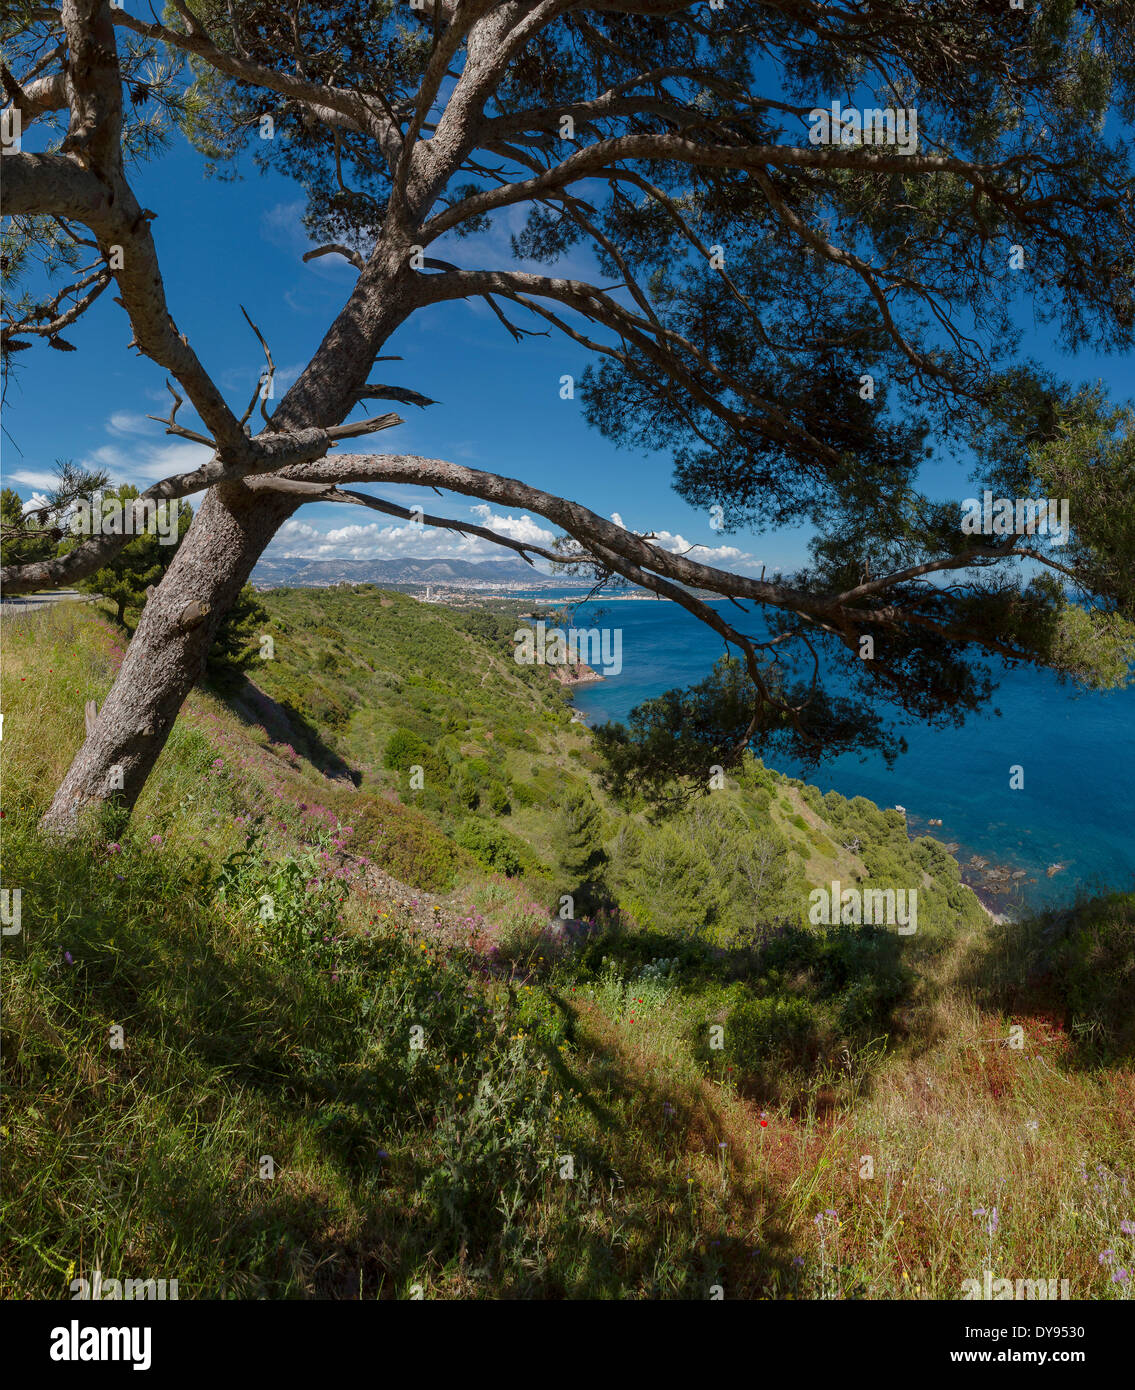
x=275 y=572
x=330 y=939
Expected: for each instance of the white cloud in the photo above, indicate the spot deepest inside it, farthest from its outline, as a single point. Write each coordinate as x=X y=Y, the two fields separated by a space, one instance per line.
x=727 y=557
x=406 y=540
x=125 y=422
x=517 y=528
x=722 y=556
x=375 y=540
x=148 y=462
x=34 y=502
x=31 y=477
x=282 y=225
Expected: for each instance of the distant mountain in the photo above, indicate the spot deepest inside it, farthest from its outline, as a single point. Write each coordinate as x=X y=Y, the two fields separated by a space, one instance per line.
x=301 y=573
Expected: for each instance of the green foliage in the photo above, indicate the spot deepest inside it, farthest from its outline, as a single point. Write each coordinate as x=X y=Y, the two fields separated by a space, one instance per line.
x=236 y=645
x=673 y=741
x=1094 y=968
x=257 y=1027
x=404 y=749
x=769 y=1033
x=22 y=540
x=141 y=563
x=1078 y=963
x=710 y=870
x=494 y=847
x=288 y=899
x=579 y=834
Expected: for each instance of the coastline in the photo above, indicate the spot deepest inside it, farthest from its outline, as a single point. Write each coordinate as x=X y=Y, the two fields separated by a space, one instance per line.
x=1000 y=918
x=975 y=876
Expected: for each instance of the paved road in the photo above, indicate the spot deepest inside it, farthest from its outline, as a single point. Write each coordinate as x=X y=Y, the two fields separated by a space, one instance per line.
x=26 y=603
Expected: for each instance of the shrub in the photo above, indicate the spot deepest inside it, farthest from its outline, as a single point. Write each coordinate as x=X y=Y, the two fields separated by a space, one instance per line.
x=493 y=847
x=403 y=749
x=775 y=1030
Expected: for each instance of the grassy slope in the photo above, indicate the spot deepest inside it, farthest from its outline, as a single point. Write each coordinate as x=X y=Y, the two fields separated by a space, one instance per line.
x=290 y=1035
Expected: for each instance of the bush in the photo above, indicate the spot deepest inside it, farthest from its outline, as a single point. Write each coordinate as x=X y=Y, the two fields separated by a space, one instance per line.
x=525 y=794
x=1096 y=964
x=493 y=847
x=403 y=750
x=775 y=1030
x=402 y=841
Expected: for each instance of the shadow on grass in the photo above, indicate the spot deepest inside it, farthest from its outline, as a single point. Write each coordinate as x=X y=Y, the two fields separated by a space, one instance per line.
x=805 y=1014
x=230 y=1057
x=284 y=724
x=1072 y=968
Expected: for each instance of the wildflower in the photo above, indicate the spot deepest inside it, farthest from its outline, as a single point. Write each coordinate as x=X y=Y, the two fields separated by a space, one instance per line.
x=156 y=840
x=1127 y=1227
x=1119 y=1277
x=1107 y=1257
x=68 y=958
x=798 y=1261
x=114 y=847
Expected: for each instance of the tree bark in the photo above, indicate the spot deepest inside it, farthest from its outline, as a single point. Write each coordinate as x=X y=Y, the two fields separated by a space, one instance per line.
x=167 y=654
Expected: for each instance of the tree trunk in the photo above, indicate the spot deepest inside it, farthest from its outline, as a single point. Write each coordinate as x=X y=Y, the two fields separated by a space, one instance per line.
x=167 y=653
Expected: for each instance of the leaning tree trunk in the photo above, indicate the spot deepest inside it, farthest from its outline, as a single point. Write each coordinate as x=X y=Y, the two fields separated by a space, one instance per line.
x=167 y=653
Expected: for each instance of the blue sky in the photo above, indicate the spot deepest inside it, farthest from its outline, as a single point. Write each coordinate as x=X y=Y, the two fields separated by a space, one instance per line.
x=223 y=244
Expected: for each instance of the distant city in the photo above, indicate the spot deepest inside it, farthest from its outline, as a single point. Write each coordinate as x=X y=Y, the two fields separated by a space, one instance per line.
x=440 y=580
x=479 y=576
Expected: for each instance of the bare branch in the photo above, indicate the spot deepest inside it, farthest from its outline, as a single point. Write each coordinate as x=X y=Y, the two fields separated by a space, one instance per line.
x=170 y=421
x=335 y=249
x=270 y=370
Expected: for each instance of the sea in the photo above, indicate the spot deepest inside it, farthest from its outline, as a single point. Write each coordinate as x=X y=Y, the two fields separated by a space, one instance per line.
x=1067 y=832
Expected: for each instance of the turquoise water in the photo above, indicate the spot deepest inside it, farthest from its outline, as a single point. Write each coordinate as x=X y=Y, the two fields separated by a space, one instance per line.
x=1077 y=751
